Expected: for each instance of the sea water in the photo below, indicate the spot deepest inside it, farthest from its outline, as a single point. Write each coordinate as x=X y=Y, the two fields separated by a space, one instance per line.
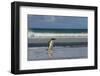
x=57 y=33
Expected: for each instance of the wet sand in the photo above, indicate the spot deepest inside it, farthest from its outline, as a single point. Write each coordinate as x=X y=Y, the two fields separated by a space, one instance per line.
x=41 y=53
x=58 y=40
x=64 y=48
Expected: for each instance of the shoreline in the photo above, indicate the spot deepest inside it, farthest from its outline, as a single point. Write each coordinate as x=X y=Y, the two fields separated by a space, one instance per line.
x=74 y=44
x=58 y=40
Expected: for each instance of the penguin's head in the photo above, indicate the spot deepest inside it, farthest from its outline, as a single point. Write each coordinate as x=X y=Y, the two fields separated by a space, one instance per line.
x=53 y=38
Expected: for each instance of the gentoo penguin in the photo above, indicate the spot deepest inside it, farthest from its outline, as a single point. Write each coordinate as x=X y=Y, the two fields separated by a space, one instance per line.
x=50 y=47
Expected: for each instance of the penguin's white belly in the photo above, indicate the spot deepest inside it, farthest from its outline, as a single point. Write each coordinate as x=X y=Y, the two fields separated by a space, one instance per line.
x=51 y=45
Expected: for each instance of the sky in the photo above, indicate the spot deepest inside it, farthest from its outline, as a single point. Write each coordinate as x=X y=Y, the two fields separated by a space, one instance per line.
x=57 y=22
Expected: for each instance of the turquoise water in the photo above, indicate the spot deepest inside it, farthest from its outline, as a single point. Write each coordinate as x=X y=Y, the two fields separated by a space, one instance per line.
x=59 y=30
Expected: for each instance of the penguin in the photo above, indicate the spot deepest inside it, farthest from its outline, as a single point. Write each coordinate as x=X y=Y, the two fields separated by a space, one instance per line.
x=50 y=47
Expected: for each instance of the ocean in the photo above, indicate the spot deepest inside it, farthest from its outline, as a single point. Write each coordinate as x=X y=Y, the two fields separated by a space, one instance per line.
x=59 y=30
x=35 y=33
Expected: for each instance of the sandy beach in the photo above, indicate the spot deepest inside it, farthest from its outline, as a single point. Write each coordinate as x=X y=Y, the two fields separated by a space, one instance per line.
x=64 y=48
x=40 y=53
x=60 y=40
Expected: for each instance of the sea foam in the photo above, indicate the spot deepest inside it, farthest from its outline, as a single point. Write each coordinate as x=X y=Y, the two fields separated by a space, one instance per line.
x=60 y=35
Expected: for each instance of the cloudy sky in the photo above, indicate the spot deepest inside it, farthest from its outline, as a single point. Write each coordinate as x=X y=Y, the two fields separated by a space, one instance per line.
x=57 y=22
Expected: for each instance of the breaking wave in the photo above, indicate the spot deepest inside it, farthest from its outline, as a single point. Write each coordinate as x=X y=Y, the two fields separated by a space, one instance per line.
x=60 y=35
